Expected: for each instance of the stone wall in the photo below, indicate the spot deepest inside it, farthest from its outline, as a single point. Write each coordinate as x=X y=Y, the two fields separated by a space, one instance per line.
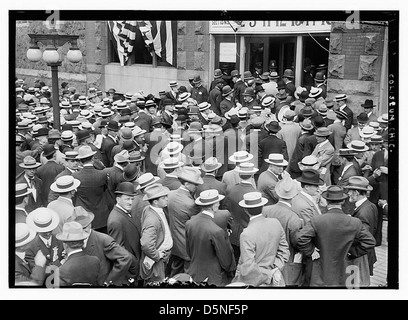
x=355 y=61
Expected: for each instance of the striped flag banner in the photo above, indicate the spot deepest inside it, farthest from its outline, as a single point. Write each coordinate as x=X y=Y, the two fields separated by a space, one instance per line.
x=124 y=33
x=162 y=37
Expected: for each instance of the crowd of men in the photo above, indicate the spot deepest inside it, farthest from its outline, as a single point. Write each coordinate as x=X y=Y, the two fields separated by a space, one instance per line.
x=249 y=182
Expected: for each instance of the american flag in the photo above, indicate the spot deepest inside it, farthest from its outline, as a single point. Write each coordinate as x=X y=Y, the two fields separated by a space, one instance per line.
x=162 y=37
x=124 y=33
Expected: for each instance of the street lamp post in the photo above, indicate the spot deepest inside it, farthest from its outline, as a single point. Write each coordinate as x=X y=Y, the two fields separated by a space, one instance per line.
x=50 y=55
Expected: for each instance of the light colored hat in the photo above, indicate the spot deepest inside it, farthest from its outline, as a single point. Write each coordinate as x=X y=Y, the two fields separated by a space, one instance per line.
x=67 y=135
x=322 y=109
x=106 y=112
x=367 y=132
x=357 y=145
x=298 y=91
x=211 y=164
x=155 y=191
x=358 y=183
x=81 y=216
x=171 y=163
x=173 y=147
x=240 y=156
x=131 y=125
x=182 y=97
x=22 y=190
x=191 y=175
x=247 y=168
x=146 y=180
x=383 y=118
x=276 y=159
x=287 y=188
x=204 y=106
x=314 y=92
x=376 y=139
x=137 y=131
x=70 y=155
x=29 y=163
x=122 y=156
x=85 y=152
x=43 y=219
x=253 y=200
x=267 y=101
x=322 y=132
x=310 y=160
x=24 y=234
x=375 y=125
x=65 y=184
x=340 y=97
x=209 y=197
x=72 y=231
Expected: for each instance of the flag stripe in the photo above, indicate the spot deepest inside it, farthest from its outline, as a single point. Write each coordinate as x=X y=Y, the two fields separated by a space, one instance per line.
x=124 y=33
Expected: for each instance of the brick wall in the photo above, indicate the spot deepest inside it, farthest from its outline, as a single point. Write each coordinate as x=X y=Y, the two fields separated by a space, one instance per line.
x=355 y=61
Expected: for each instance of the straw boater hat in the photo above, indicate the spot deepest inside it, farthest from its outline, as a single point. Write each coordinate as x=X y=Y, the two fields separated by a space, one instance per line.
x=322 y=132
x=267 y=101
x=24 y=234
x=65 y=184
x=308 y=161
x=314 y=92
x=171 y=163
x=70 y=155
x=376 y=139
x=253 y=200
x=334 y=193
x=340 y=97
x=22 y=190
x=276 y=159
x=81 y=216
x=29 y=163
x=72 y=231
x=287 y=188
x=155 y=191
x=43 y=219
x=85 y=152
x=122 y=156
x=358 y=183
x=247 y=168
x=211 y=164
x=357 y=145
x=383 y=118
x=367 y=132
x=146 y=180
x=209 y=197
x=240 y=156
x=191 y=175
x=173 y=148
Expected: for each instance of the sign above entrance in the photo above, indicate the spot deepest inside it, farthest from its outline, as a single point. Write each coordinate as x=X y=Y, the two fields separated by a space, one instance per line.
x=269 y=27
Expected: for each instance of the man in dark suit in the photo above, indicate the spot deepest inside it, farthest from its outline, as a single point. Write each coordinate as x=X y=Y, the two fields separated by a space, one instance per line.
x=227 y=102
x=271 y=144
x=199 y=92
x=109 y=142
x=170 y=166
x=21 y=201
x=49 y=171
x=357 y=190
x=288 y=78
x=341 y=100
x=211 y=255
x=143 y=119
x=115 y=176
x=121 y=225
x=172 y=94
x=166 y=116
x=29 y=177
x=117 y=264
x=210 y=167
x=91 y=193
x=215 y=96
x=79 y=268
x=239 y=87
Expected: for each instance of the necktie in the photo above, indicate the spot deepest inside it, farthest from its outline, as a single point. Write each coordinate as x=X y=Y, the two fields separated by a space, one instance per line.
x=280 y=176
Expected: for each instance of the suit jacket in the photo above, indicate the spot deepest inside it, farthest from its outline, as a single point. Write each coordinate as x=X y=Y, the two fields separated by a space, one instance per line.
x=250 y=105
x=137 y=209
x=64 y=208
x=234 y=195
x=47 y=173
x=151 y=239
x=39 y=201
x=211 y=183
x=263 y=246
x=220 y=149
x=155 y=141
x=52 y=254
x=367 y=212
x=304 y=207
x=123 y=228
x=21 y=215
x=172 y=183
x=290 y=88
x=143 y=120
x=298 y=154
x=239 y=88
x=266 y=185
x=352 y=134
x=200 y=94
x=289 y=133
x=335 y=234
x=91 y=194
x=271 y=144
x=24 y=273
x=115 y=177
x=210 y=252
x=116 y=263
x=215 y=98
x=181 y=207
x=324 y=152
x=54 y=195
x=231 y=178
x=380 y=184
x=106 y=148
x=80 y=268
x=290 y=221
x=338 y=133
x=349 y=120
x=226 y=105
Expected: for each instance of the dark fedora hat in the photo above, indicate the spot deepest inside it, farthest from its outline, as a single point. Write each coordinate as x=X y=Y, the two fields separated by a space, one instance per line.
x=41 y=132
x=281 y=85
x=126 y=188
x=226 y=90
x=249 y=92
x=235 y=73
x=320 y=77
x=303 y=95
x=113 y=125
x=49 y=149
x=197 y=79
x=311 y=176
x=130 y=172
x=82 y=134
x=362 y=117
x=334 y=193
x=273 y=126
x=368 y=104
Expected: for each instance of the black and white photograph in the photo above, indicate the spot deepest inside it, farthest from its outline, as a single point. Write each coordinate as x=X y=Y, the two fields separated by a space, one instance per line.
x=225 y=153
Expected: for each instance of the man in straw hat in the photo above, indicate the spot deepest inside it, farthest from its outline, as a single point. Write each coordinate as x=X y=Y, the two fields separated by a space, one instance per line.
x=35 y=198
x=181 y=207
x=24 y=273
x=338 y=237
x=324 y=152
x=234 y=194
x=170 y=166
x=115 y=175
x=121 y=225
x=156 y=240
x=44 y=221
x=270 y=177
x=232 y=177
x=79 y=268
x=65 y=187
x=211 y=255
x=355 y=132
x=210 y=167
x=21 y=201
x=263 y=244
x=358 y=189
x=109 y=142
x=341 y=102
x=91 y=192
x=286 y=189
